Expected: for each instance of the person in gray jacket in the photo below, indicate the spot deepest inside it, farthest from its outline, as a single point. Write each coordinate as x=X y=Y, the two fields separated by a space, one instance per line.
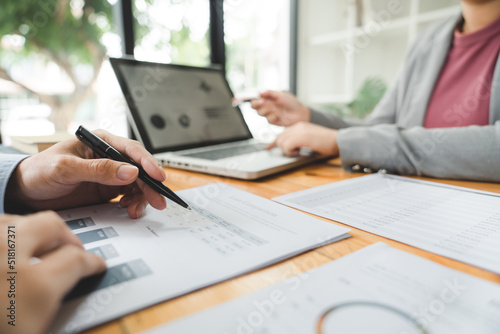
x=407 y=132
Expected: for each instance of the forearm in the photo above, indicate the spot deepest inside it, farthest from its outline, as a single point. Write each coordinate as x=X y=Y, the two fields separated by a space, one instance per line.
x=457 y=153
x=328 y=120
x=9 y=162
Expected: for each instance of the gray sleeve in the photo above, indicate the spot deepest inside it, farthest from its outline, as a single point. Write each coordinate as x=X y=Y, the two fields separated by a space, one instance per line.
x=471 y=152
x=8 y=163
x=328 y=120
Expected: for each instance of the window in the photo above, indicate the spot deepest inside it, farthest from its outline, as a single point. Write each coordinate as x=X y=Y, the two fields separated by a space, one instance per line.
x=54 y=72
x=257 y=36
x=53 y=65
x=172 y=31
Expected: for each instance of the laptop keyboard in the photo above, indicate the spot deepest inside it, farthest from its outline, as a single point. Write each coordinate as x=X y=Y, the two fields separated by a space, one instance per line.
x=227 y=152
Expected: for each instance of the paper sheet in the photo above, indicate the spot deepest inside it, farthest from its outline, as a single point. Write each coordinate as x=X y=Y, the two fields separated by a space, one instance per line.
x=439 y=299
x=168 y=253
x=460 y=223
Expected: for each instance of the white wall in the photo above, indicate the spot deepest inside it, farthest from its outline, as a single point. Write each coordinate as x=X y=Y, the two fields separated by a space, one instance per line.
x=336 y=54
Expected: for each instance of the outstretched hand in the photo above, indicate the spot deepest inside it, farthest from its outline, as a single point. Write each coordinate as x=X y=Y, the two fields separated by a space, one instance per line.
x=281 y=108
x=69 y=174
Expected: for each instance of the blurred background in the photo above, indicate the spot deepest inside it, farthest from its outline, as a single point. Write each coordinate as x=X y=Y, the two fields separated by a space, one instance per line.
x=335 y=55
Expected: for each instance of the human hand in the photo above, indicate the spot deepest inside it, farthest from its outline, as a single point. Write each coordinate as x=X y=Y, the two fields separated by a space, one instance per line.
x=315 y=137
x=281 y=108
x=70 y=174
x=32 y=296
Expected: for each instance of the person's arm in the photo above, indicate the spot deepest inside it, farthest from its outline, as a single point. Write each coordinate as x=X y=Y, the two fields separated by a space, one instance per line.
x=470 y=153
x=69 y=174
x=8 y=163
x=32 y=291
x=328 y=119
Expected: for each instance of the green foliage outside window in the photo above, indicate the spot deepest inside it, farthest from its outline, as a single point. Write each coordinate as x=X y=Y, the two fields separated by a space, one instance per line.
x=364 y=102
x=69 y=33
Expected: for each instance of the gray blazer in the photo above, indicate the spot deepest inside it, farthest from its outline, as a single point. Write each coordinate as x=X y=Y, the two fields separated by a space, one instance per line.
x=392 y=137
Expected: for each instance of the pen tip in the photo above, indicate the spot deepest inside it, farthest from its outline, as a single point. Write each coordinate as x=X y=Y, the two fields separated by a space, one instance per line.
x=188 y=208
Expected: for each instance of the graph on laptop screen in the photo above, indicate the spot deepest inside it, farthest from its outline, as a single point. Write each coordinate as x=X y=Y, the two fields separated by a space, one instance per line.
x=179 y=105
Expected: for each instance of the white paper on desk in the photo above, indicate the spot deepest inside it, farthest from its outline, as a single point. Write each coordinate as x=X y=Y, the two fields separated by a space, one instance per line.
x=168 y=253
x=443 y=300
x=457 y=222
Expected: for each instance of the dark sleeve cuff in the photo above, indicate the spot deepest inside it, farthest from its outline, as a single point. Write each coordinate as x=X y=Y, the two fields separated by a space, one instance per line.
x=8 y=164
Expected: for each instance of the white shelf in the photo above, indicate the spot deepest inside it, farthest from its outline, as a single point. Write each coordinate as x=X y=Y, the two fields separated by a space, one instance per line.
x=438 y=14
x=330 y=98
x=335 y=59
x=340 y=36
x=404 y=22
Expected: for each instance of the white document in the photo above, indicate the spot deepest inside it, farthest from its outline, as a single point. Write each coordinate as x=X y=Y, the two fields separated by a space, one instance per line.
x=426 y=294
x=165 y=254
x=457 y=222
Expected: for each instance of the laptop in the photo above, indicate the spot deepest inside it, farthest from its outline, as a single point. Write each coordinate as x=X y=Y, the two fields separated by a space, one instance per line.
x=184 y=116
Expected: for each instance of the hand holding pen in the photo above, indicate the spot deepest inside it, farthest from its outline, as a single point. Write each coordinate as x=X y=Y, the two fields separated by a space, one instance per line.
x=69 y=175
x=105 y=150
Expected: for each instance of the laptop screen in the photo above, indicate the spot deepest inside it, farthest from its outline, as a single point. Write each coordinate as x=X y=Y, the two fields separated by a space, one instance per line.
x=174 y=107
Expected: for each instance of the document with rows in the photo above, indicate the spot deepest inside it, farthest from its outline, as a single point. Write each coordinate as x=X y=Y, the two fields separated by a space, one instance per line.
x=165 y=254
x=376 y=290
x=457 y=222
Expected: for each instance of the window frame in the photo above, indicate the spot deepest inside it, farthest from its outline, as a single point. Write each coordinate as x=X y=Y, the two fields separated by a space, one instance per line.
x=125 y=24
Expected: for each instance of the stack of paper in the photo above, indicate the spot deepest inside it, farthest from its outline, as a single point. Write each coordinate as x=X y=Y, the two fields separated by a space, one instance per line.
x=168 y=253
x=35 y=144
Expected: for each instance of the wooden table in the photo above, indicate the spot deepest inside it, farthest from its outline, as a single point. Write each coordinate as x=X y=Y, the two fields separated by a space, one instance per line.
x=284 y=183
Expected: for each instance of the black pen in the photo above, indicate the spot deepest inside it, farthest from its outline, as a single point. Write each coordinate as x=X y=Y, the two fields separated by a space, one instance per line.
x=105 y=150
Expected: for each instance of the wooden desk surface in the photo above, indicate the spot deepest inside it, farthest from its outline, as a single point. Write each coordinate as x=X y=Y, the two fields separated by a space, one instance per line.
x=284 y=183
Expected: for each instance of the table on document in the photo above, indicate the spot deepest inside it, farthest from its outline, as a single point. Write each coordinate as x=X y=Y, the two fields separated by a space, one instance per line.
x=460 y=223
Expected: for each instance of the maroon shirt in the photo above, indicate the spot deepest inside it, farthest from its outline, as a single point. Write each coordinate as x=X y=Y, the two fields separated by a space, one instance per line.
x=461 y=96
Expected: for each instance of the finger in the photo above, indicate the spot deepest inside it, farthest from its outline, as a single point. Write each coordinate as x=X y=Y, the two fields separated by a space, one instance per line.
x=67 y=265
x=103 y=171
x=130 y=191
x=280 y=122
x=257 y=103
x=290 y=150
x=42 y=232
x=264 y=112
x=270 y=94
x=135 y=203
x=154 y=198
x=142 y=192
x=290 y=147
x=134 y=150
x=136 y=209
x=271 y=145
x=272 y=119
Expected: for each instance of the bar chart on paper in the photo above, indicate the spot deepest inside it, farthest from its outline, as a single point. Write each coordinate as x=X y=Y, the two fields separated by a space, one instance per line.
x=460 y=223
x=161 y=254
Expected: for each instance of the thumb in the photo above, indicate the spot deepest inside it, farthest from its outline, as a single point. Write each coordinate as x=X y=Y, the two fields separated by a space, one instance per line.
x=106 y=171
